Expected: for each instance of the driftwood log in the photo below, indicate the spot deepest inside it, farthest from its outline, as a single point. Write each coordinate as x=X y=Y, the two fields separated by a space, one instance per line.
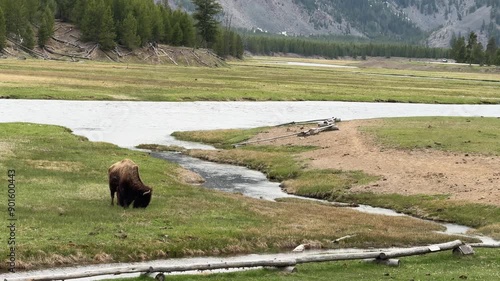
x=485 y=245
x=380 y=257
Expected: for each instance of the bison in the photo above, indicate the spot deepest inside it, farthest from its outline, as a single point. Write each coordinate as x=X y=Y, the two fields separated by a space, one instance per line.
x=124 y=180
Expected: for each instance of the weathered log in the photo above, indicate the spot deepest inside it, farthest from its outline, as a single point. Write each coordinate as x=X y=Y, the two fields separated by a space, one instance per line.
x=308 y=122
x=4 y=50
x=65 y=42
x=170 y=268
x=109 y=57
x=46 y=48
x=315 y=131
x=485 y=245
x=421 y=250
x=387 y=256
x=198 y=59
x=185 y=58
x=343 y=238
x=171 y=59
x=91 y=51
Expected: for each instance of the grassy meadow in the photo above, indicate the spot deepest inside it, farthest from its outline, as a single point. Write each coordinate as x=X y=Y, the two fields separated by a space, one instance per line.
x=259 y=79
x=65 y=218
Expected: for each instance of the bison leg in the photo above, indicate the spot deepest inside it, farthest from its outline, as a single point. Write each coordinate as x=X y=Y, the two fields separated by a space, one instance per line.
x=113 y=185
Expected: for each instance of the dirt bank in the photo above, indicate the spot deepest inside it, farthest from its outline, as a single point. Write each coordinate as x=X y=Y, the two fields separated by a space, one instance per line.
x=472 y=178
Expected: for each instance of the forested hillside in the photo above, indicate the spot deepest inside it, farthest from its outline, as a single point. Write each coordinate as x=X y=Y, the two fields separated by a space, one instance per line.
x=130 y=23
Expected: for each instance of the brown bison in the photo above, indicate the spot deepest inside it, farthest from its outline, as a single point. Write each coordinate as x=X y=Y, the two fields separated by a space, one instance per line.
x=124 y=180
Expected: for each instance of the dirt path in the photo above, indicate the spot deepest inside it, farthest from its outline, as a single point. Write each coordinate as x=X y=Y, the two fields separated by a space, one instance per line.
x=471 y=178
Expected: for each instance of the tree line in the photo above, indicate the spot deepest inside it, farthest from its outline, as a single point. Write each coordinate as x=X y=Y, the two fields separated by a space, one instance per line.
x=472 y=51
x=131 y=23
x=267 y=45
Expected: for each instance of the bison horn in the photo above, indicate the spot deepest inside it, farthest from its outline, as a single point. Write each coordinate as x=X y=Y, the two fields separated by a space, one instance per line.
x=147 y=192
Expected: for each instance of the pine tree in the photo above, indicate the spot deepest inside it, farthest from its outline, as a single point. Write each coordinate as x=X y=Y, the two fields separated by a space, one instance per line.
x=497 y=58
x=491 y=50
x=206 y=21
x=64 y=9
x=15 y=18
x=167 y=26
x=129 y=36
x=177 y=36
x=478 y=54
x=471 y=45
x=188 y=30
x=144 y=26
x=458 y=51
x=28 y=37
x=3 y=31
x=106 y=34
x=46 y=29
x=158 y=28
x=89 y=21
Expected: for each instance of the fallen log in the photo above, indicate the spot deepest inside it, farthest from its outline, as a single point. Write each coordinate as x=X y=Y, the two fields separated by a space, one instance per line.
x=167 y=269
x=65 y=42
x=171 y=59
x=308 y=122
x=380 y=257
x=5 y=51
x=343 y=238
x=91 y=51
x=29 y=51
x=48 y=49
x=315 y=131
x=485 y=245
x=198 y=59
x=421 y=250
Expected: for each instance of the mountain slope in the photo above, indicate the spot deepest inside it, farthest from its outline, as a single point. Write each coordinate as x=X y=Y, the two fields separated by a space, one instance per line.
x=434 y=21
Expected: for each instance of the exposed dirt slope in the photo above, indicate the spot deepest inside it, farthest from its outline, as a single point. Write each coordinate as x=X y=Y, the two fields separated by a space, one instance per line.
x=471 y=178
x=65 y=45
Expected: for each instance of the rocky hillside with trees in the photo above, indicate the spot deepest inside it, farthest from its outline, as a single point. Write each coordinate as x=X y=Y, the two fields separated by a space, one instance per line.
x=428 y=22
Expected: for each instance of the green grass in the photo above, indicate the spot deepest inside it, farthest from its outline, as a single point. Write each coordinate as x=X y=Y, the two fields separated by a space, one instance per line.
x=332 y=185
x=65 y=218
x=464 y=135
x=225 y=138
x=251 y=80
x=278 y=166
x=483 y=266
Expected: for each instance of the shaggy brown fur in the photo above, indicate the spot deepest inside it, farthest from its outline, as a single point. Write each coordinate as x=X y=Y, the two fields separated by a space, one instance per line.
x=124 y=180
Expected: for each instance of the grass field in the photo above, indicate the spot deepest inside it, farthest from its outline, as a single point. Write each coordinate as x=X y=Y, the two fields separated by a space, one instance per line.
x=64 y=213
x=250 y=80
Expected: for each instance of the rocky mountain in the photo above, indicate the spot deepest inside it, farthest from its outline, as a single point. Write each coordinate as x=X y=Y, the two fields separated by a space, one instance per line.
x=433 y=22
